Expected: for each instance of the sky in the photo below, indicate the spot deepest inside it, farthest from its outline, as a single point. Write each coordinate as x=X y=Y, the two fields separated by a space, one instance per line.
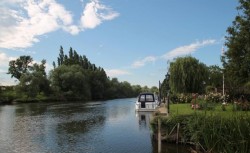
x=133 y=40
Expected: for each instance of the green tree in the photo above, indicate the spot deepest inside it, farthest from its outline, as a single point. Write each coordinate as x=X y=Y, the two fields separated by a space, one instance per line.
x=187 y=75
x=215 y=76
x=165 y=87
x=99 y=83
x=236 y=60
x=136 y=90
x=19 y=66
x=60 y=59
x=112 y=90
x=154 y=89
x=34 y=82
x=70 y=82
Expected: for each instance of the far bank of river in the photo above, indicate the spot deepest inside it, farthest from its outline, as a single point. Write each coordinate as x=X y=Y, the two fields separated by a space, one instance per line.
x=103 y=126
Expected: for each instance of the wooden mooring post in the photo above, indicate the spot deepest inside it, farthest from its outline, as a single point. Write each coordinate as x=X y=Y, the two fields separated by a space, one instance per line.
x=177 y=135
x=159 y=135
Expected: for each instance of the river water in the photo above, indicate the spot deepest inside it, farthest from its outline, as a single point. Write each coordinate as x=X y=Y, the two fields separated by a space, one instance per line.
x=94 y=127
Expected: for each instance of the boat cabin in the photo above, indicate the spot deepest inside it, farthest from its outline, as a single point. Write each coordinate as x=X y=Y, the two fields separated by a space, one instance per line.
x=146 y=102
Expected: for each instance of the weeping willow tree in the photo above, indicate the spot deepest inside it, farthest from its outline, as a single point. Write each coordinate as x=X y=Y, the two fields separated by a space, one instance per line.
x=187 y=75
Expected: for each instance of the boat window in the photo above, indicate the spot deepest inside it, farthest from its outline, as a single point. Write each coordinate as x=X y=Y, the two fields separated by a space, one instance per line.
x=142 y=98
x=149 y=98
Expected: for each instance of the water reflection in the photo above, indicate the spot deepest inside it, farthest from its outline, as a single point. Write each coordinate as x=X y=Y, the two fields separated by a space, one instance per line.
x=108 y=126
x=144 y=120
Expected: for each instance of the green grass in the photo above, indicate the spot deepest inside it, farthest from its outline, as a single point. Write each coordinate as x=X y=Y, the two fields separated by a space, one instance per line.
x=185 y=109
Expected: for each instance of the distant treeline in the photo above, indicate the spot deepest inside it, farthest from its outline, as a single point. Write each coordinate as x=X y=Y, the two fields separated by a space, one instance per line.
x=74 y=77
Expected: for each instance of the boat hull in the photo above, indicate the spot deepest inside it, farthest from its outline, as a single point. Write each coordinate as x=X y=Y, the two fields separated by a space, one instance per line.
x=149 y=107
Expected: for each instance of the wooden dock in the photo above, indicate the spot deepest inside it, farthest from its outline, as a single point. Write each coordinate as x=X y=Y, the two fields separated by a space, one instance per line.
x=162 y=109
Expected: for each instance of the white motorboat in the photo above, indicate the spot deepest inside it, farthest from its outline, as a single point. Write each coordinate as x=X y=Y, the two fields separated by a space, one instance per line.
x=146 y=102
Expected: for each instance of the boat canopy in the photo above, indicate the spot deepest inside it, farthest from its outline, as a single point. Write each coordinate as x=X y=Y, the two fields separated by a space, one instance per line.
x=146 y=97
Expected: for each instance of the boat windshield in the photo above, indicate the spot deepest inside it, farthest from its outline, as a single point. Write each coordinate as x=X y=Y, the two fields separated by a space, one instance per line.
x=146 y=98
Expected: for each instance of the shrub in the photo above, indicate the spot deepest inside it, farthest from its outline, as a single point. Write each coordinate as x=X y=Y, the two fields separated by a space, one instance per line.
x=181 y=98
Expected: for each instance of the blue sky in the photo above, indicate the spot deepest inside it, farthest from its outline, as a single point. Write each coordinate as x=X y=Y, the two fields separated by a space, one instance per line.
x=133 y=40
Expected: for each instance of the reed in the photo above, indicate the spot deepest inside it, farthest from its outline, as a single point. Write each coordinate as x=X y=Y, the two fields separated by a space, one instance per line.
x=218 y=134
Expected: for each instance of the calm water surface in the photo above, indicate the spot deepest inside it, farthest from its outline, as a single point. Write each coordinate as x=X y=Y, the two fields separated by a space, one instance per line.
x=95 y=127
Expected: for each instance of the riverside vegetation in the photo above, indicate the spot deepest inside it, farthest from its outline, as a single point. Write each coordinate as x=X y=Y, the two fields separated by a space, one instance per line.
x=211 y=128
x=74 y=78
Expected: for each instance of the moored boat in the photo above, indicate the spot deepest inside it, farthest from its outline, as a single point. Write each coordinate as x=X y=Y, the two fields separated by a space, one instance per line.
x=146 y=102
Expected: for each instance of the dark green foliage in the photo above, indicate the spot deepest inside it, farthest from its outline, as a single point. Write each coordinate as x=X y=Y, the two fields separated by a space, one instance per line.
x=98 y=83
x=70 y=83
x=32 y=77
x=74 y=78
x=19 y=66
x=34 y=81
x=92 y=83
x=236 y=60
x=7 y=94
x=187 y=75
x=215 y=76
x=165 y=87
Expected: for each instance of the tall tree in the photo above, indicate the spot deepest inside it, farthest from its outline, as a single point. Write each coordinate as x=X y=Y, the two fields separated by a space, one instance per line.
x=71 y=82
x=236 y=60
x=34 y=81
x=19 y=66
x=98 y=82
x=60 y=59
x=187 y=75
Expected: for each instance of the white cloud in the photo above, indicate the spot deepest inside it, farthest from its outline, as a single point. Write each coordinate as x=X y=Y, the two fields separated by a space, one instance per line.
x=32 y=19
x=142 y=62
x=4 y=63
x=22 y=22
x=4 y=60
x=179 y=51
x=116 y=72
x=73 y=29
x=188 y=49
x=6 y=80
x=95 y=13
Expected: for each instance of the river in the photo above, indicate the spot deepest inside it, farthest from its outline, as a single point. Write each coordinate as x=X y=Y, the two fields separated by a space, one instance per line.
x=94 y=127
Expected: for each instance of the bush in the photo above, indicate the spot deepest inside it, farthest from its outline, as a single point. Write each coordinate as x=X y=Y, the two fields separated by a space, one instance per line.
x=7 y=96
x=181 y=98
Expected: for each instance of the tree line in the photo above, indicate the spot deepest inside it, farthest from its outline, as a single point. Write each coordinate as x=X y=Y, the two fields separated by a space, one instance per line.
x=74 y=77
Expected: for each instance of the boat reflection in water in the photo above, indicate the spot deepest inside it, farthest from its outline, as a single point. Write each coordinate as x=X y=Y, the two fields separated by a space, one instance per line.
x=144 y=119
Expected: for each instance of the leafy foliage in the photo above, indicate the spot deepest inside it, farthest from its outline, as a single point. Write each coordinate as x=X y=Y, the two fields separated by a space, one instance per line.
x=236 y=60
x=19 y=66
x=90 y=83
x=187 y=75
x=70 y=82
x=215 y=76
x=34 y=81
x=73 y=78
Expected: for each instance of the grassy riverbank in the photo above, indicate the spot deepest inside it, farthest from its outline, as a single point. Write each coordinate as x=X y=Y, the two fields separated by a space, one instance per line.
x=208 y=130
x=215 y=109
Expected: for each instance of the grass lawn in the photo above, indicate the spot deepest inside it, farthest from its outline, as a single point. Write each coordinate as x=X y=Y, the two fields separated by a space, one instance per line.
x=185 y=109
